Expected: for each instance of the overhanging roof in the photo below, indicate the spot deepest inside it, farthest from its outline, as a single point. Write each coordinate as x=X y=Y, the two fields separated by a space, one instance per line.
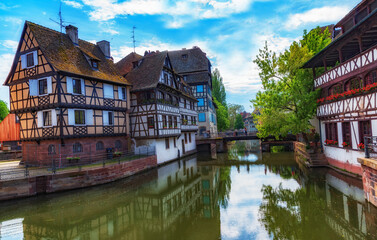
x=348 y=42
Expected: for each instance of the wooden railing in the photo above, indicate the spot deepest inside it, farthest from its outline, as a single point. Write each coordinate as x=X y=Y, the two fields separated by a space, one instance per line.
x=348 y=68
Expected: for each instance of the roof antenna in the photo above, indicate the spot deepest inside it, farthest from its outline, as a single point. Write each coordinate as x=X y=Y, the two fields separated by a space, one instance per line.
x=61 y=22
x=133 y=37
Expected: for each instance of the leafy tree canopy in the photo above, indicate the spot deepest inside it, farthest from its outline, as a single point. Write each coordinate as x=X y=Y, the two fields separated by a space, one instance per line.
x=222 y=116
x=239 y=122
x=288 y=101
x=218 y=88
x=233 y=111
x=4 y=111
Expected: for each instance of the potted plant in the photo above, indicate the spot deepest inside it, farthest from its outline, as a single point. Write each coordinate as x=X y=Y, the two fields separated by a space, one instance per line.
x=117 y=154
x=361 y=146
x=345 y=144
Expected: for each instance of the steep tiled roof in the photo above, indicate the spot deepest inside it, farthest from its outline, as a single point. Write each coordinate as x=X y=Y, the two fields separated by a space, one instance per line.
x=147 y=74
x=125 y=65
x=65 y=56
x=201 y=77
x=189 y=60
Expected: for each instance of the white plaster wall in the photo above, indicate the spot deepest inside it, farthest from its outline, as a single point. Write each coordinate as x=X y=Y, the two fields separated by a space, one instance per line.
x=345 y=188
x=323 y=133
x=342 y=155
x=163 y=154
x=189 y=146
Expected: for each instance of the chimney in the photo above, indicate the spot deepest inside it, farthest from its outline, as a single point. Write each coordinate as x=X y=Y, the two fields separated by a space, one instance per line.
x=72 y=32
x=105 y=48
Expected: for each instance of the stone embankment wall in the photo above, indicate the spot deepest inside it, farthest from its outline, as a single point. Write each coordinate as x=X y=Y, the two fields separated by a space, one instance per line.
x=369 y=174
x=26 y=187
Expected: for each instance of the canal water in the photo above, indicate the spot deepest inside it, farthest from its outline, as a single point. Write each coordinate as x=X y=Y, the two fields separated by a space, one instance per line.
x=243 y=195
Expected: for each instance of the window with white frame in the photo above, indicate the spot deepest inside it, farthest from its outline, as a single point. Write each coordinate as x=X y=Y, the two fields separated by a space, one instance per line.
x=29 y=60
x=79 y=117
x=122 y=92
x=38 y=87
x=75 y=85
x=47 y=119
x=108 y=118
x=108 y=91
x=42 y=86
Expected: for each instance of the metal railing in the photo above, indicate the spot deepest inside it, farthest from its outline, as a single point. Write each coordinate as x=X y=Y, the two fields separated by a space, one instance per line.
x=39 y=162
x=370 y=146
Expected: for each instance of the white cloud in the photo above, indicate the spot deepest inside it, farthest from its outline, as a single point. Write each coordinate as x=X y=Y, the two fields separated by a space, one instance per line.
x=73 y=4
x=317 y=15
x=104 y=10
x=10 y=44
x=6 y=64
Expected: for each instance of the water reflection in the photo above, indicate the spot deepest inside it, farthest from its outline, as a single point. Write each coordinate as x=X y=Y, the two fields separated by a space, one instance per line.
x=242 y=195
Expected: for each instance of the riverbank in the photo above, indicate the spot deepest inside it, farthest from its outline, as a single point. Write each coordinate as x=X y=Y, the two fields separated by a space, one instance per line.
x=74 y=179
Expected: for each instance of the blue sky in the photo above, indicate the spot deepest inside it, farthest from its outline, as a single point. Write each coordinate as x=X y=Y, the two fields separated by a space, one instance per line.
x=230 y=32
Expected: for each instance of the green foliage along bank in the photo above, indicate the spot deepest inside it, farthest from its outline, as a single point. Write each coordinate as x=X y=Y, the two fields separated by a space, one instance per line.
x=288 y=100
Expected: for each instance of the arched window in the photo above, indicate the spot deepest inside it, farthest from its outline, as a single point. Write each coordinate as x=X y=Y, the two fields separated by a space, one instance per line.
x=99 y=146
x=337 y=88
x=51 y=149
x=118 y=144
x=77 y=147
x=371 y=77
x=354 y=83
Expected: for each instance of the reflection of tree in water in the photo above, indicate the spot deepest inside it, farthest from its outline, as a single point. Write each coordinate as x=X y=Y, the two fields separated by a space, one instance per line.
x=285 y=172
x=225 y=184
x=237 y=150
x=285 y=214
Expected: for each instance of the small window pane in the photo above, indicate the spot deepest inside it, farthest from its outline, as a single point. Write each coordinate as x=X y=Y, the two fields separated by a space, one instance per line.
x=202 y=117
x=118 y=144
x=167 y=143
x=79 y=117
x=200 y=102
x=150 y=122
x=199 y=89
x=77 y=147
x=47 y=118
x=124 y=94
x=51 y=150
x=77 y=86
x=42 y=86
x=111 y=118
x=99 y=146
x=30 y=60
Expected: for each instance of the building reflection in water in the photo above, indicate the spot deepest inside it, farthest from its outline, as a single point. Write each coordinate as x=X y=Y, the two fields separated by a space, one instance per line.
x=183 y=199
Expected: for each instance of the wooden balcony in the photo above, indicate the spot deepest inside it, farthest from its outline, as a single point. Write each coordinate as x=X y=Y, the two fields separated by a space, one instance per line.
x=361 y=105
x=362 y=62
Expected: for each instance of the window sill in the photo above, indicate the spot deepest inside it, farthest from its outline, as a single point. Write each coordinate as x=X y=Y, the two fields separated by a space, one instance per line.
x=349 y=149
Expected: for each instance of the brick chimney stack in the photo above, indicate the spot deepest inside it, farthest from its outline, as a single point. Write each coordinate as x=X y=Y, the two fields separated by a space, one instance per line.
x=105 y=48
x=72 y=32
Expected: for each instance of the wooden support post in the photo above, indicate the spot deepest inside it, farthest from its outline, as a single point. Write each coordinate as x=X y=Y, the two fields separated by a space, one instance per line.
x=213 y=151
x=360 y=44
x=325 y=64
x=314 y=75
x=340 y=55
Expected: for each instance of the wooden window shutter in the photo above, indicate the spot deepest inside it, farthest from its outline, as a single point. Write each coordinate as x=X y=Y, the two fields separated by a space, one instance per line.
x=23 y=61
x=33 y=87
x=89 y=117
x=120 y=96
x=108 y=91
x=49 y=85
x=53 y=117
x=82 y=86
x=40 y=119
x=35 y=56
x=71 y=116
x=69 y=85
x=105 y=118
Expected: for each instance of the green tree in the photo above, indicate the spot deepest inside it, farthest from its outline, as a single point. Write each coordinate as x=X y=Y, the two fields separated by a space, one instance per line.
x=239 y=122
x=233 y=111
x=4 y=111
x=222 y=116
x=288 y=101
x=218 y=88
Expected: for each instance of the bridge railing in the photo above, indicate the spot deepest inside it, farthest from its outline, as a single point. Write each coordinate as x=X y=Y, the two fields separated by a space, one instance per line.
x=236 y=133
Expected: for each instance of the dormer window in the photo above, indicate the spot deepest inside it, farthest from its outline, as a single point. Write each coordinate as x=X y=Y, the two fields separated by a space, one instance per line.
x=94 y=64
x=29 y=60
x=184 y=56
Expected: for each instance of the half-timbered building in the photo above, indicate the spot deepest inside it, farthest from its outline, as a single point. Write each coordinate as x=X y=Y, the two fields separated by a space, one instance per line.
x=163 y=110
x=68 y=95
x=195 y=68
x=347 y=108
